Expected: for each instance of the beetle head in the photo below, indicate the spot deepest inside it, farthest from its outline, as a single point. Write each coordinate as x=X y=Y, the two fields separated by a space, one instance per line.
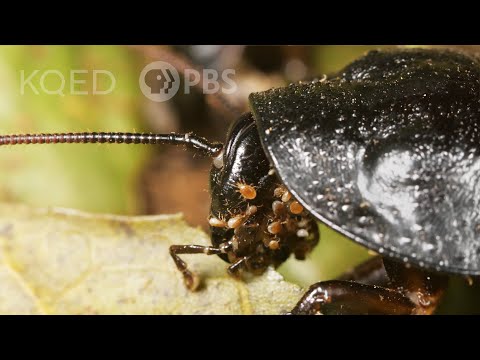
x=242 y=216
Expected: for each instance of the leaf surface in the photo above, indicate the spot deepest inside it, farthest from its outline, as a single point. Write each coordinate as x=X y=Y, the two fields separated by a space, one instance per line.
x=59 y=261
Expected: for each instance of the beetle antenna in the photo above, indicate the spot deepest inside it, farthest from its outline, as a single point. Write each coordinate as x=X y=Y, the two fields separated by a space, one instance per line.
x=191 y=141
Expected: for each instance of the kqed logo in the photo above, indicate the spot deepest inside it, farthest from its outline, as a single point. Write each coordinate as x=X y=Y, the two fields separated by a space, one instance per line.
x=159 y=81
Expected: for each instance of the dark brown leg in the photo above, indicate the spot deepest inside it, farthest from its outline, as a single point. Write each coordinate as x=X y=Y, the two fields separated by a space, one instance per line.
x=234 y=269
x=423 y=288
x=403 y=290
x=337 y=297
x=370 y=272
x=191 y=279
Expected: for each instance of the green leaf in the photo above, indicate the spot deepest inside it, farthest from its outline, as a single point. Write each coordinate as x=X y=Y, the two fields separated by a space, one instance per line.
x=58 y=261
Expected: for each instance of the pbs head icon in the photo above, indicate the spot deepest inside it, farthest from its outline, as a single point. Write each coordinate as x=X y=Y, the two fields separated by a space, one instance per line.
x=159 y=81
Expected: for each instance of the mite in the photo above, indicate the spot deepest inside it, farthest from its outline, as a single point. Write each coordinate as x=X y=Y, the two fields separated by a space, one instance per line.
x=385 y=152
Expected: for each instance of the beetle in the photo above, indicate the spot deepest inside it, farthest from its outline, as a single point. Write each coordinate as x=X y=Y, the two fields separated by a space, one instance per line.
x=385 y=152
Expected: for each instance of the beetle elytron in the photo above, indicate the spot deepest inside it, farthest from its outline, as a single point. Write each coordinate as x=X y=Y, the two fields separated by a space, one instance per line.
x=386 y=152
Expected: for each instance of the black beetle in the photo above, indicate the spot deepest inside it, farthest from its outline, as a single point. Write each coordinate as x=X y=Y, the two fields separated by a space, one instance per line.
x=386 y=152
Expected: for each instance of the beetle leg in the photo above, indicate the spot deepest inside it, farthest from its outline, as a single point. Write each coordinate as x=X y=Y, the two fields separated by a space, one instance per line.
x=404 y=290
x=191 y=279
x=423 y=288
x=339 y=297
x=234 y=269
x=370 y=272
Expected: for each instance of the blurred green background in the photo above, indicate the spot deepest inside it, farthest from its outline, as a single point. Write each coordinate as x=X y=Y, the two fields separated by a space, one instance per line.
x=92 y=178
x=125 y=179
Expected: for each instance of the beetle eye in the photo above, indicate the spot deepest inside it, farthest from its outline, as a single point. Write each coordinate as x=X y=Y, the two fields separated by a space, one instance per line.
x=218 y=160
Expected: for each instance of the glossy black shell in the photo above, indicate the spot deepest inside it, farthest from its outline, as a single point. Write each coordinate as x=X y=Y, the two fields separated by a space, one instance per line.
x=387 y=153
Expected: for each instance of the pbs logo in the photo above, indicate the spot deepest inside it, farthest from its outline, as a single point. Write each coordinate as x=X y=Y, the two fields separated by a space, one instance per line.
x=159 y=81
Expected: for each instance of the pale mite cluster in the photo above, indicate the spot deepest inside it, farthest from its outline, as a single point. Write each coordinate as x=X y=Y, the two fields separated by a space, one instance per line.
x=284 y=218
x=248 y=192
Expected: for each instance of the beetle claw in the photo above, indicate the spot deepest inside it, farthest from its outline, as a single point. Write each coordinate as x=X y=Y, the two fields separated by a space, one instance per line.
x=192 y=280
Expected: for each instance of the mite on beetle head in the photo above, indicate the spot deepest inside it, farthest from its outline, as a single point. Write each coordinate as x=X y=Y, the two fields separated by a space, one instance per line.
x=386 y=152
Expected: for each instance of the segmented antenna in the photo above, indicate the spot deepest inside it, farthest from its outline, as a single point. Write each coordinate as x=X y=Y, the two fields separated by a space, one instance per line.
x=189 y=140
